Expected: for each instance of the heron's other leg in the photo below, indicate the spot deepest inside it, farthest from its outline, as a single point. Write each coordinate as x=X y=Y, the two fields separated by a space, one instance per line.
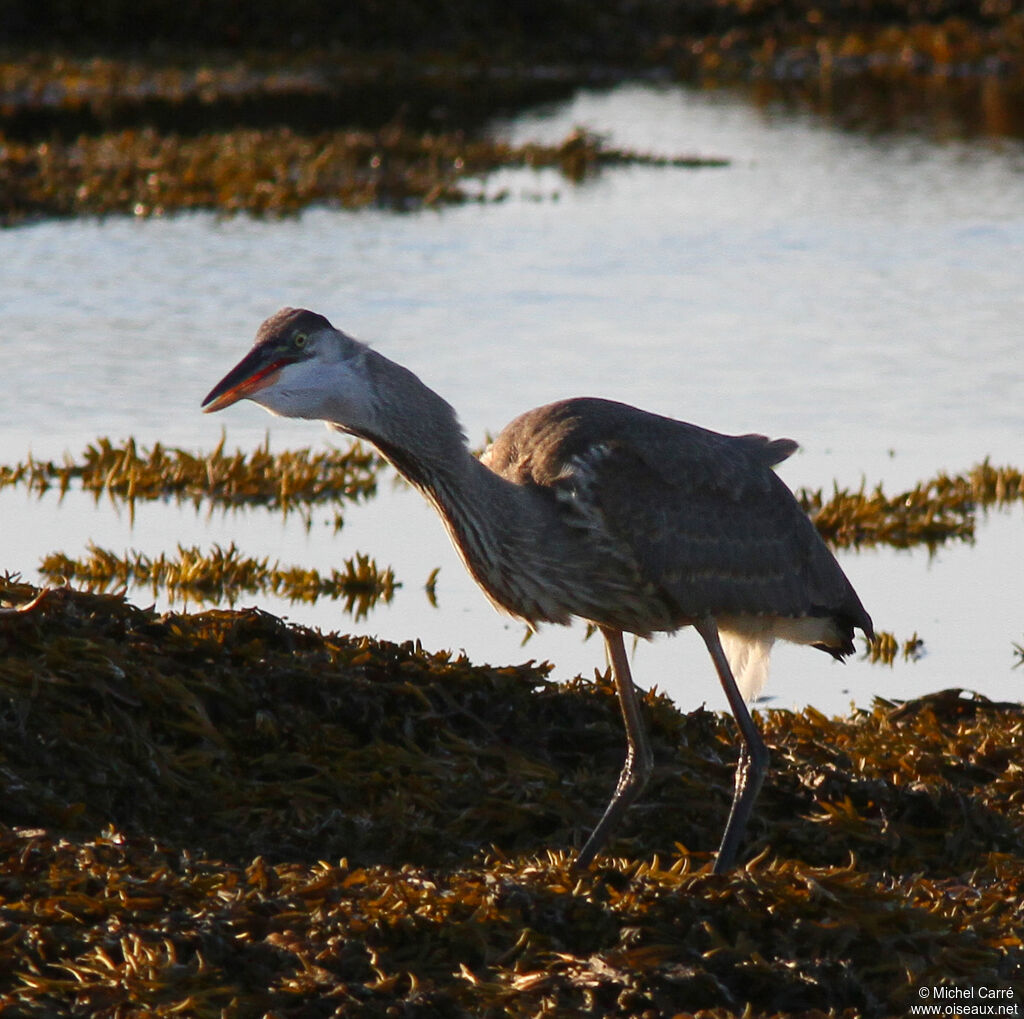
x=753 y=762
x=639 y=759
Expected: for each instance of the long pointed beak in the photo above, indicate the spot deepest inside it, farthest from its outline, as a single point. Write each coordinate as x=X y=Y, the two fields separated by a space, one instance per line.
x=254 y=372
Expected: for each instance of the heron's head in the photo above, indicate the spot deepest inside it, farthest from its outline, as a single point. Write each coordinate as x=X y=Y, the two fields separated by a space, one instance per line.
x=300 y=366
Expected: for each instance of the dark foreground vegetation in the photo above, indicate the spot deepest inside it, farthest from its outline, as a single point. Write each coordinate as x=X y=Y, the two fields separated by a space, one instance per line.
x=223 y=815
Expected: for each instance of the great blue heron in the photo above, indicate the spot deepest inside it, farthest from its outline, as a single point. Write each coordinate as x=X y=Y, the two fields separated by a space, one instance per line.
x=635 y=522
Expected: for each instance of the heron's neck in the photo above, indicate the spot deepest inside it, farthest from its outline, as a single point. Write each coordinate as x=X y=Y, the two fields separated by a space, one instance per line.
x=415 y=429
x=491 y=521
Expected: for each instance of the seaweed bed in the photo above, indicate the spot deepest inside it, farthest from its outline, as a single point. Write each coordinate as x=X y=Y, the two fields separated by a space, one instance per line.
x=219 y=814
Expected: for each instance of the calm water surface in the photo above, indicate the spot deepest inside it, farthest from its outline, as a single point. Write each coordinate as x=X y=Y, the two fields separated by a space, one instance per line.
x=860 y=295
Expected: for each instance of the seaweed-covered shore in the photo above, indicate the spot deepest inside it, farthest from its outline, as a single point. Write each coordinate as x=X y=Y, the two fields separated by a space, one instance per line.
x=219 y=814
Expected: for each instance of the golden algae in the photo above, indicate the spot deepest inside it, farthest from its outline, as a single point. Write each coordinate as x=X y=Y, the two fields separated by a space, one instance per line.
x=279 y=171
x=935 y=511
x=224 y=574
x=289 y=480
x=223 y=814
x=940 y=509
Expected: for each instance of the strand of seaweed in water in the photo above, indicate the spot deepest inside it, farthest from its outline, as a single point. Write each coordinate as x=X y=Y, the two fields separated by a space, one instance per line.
x=931 y=513
x=279 y=171
x=223 y=574
x=289 y=480
x=940 y=509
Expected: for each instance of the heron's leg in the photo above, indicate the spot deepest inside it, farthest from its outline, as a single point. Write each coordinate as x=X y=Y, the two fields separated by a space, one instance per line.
x=639 y=759
x=753 y=762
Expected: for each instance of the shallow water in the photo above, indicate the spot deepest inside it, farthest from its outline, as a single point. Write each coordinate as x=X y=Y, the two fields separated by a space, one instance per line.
x=860 y=295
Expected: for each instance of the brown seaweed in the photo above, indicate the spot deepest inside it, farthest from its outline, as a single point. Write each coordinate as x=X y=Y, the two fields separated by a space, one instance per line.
x=223 y=815
x=933 y=512
x=224 y=575
x=277 y=171
x=286 y=481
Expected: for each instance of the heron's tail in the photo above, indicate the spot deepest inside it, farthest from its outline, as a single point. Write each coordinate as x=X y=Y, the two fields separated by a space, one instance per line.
x=749 y=657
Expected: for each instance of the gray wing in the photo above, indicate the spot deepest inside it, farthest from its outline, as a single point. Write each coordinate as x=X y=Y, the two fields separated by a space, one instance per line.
x=707 y=522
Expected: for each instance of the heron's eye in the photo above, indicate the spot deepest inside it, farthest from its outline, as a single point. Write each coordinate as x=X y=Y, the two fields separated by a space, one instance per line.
x=299 y=340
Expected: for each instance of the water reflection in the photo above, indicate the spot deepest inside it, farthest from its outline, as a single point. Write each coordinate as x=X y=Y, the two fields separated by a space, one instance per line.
x=940 y=108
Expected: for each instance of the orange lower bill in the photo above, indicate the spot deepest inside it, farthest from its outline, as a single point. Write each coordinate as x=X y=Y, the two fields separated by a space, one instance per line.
x=244 y=389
